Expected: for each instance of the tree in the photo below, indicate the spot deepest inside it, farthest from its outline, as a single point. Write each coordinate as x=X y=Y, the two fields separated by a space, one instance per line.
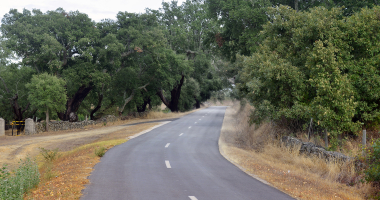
x=58 y=43
x=47 y=92
x=13 y=101
x=241 y=23
x=316 y=64
x=186 y=27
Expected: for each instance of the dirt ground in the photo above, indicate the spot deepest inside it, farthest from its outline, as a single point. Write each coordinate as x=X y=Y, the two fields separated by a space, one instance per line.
x=14 y=148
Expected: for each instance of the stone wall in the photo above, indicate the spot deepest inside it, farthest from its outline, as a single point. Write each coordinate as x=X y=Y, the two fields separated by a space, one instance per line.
x=62 y=125
x=311 y=149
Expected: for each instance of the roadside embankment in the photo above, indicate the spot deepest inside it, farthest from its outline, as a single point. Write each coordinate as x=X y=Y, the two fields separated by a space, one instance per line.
x=255 y=151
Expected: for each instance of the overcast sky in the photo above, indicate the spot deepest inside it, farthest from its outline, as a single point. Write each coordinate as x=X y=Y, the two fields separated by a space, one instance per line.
x=95 y=9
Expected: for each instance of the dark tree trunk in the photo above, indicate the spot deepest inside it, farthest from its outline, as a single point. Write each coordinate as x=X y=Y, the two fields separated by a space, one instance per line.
x=175 y=94
x=18 y=112
x=142 y=107
x=197 y=104
x=100 y=99
x=73 y=104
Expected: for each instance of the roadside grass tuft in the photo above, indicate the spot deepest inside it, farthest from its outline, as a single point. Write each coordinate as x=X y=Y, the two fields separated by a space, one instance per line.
x=100 y=151
x=14 y=184
x=49 y=155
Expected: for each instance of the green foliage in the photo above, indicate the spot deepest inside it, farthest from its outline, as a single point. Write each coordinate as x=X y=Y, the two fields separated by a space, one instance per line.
x=241 y=21
x=372 y=173
x=13 y=185
x=315 y=64
x=13 y=79
x=49 y=155
x=47 y=92
x=100 y=151
x=81 y=117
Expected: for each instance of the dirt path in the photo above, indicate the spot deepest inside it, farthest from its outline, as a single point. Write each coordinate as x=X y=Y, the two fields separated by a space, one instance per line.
x=14 y=148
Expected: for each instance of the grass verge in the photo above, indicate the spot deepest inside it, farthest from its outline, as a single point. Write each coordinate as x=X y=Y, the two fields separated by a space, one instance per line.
x=66 y=175
x=254 y=150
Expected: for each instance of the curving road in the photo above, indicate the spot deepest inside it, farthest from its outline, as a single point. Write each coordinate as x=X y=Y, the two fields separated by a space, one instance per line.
x=179 y=160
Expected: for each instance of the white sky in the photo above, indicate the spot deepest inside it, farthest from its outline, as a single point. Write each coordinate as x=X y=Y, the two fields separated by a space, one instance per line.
x=95 y=9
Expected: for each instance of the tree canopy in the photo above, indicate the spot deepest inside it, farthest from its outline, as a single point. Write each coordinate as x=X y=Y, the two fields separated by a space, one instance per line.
x=293 y=60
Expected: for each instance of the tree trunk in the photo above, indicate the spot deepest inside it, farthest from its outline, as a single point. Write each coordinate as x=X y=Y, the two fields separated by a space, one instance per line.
x=100 y=99
x=175 y=94
x=47 y=119
x=296 y=5
x=127 y=100
x=142 y=107
x=73 y=104
x=197 y=104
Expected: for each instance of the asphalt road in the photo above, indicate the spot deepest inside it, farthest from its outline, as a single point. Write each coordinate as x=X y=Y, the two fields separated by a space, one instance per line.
x=179 y=160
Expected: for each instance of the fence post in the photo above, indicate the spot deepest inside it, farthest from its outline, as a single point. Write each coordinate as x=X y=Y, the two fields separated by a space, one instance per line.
x=311 y=123
x=2 y=127
x=326 y=139
x=364 y=140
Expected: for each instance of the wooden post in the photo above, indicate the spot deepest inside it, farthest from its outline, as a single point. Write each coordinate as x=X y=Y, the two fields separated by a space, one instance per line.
x=311 y=123
x=326 y=139
x=364 y=140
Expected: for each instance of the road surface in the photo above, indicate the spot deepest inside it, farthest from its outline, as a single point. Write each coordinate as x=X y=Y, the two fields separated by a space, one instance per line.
x=179 y=160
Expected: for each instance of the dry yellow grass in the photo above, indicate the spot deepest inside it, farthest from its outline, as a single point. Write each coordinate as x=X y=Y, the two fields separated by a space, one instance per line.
x=66 y=177
x=257 y=153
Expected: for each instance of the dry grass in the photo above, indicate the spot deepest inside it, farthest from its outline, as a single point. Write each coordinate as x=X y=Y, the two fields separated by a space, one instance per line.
x=66 y=176
x=257 y=152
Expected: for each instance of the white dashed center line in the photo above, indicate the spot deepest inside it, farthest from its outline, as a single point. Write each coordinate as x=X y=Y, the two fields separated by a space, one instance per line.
x=181 y=134
x=195 y=122
x=200 y=119
x=189 y=126
x=193 y=198
x=167 y=145
x=167 y=164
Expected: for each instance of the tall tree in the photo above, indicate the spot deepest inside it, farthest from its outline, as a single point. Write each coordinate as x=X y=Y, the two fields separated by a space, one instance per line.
x=186 y=27
x=241 y=23
x=60 y=43
x=47 y=92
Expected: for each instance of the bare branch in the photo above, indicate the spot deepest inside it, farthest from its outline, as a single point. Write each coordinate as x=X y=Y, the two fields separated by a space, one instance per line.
x=127 y=100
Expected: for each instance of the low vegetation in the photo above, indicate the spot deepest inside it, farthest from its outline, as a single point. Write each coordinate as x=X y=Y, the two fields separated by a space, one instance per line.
x=259 y=152
x=65 y=176
x=14 y=184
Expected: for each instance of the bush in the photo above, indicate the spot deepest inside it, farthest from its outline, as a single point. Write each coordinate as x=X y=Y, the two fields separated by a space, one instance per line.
x=49 y=155
x=13 y=185
x=372 y=173
x=81 y=117
x=100 y=151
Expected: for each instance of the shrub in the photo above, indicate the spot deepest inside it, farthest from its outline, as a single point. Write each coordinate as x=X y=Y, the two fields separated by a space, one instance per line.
x=81 y=117
x=372 y=173
x=49 y=155
x=100 y=151
x=14 y=184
